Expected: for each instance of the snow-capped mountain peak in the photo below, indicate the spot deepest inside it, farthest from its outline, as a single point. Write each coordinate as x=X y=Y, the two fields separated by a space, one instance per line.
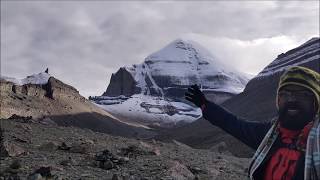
x=156 y=87
x=181 y=51
x=182 y=63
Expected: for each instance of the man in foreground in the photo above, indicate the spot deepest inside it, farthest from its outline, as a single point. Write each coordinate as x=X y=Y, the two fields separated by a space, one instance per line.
x=288 y=147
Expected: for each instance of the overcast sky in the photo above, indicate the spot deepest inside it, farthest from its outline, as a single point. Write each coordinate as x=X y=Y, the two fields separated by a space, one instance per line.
x=83 y=43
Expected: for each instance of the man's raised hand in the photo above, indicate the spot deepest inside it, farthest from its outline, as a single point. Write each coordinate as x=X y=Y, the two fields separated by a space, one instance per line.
x=195 y=96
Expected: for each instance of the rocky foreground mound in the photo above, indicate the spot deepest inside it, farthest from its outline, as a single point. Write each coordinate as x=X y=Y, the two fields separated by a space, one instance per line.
x=32 y=149
x=52 y=99
x=37 y=100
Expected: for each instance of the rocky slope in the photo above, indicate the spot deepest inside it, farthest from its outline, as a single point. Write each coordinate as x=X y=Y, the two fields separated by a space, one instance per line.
x=19 y=99
x=43 y=96
x=256 y=102
x=38 y=150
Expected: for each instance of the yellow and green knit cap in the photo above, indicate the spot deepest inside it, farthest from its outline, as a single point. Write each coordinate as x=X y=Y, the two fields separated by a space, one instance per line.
x=304 y=77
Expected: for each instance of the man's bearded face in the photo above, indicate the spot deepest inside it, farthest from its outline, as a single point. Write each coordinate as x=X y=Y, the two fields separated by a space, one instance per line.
x=296 y=107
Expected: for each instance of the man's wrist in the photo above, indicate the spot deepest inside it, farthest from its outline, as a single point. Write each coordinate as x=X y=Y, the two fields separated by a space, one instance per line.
x=203 y=106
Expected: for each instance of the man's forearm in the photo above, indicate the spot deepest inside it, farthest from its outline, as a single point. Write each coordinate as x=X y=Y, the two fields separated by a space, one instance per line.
x=250 y=133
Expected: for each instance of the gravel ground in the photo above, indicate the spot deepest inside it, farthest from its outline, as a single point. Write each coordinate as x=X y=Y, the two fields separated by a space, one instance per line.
x=31 y=149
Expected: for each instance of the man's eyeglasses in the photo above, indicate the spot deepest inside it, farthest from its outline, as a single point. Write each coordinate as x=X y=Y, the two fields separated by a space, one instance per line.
x=300 y=95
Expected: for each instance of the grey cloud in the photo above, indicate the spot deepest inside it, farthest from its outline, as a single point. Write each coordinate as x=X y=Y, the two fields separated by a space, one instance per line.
x=84 y=42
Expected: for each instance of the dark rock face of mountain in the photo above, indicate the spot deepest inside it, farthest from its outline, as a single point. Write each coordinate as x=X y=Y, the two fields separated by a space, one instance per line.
x=122 y=83
x=56 y=89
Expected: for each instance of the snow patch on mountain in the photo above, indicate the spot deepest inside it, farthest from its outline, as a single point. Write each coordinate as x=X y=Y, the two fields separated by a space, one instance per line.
x=150 y=109
x=41 y=78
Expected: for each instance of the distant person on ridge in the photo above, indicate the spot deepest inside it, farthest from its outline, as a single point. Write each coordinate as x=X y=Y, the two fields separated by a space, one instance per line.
x=287 y=148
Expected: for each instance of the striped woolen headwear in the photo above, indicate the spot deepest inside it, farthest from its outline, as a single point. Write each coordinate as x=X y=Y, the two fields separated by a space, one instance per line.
x=304 y=77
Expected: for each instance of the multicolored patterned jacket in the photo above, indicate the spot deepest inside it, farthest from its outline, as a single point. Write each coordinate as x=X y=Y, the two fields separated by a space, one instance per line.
x=263 y=137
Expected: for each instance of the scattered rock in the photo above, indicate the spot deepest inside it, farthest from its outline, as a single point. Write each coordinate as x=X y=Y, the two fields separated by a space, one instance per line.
x=221 y=148
x=43 y=173
x=10 y=149
x=16 y=164
x=11 y=172
x=1 y=137
x=153 y=150
x=25 y=127
x=35 y=177
x=82 y=148
x=154 y=141
x=21 y=139
x=123 y=160
x=106 y=164
x=47 y=121
x=196 y=170
x=132 y=151
x=104 y=155
x=126 y=177
x=85 y=175
x=79 y=148
x=49 y=146
x=109 y=161
x=67 y=162
x=23 y=119
x=9 y=177
x=180 y=171
x=89 y=142
x=116 y=177
x=64 y=147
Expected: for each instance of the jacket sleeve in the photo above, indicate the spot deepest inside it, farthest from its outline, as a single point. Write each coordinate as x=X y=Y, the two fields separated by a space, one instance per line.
x=250 y=133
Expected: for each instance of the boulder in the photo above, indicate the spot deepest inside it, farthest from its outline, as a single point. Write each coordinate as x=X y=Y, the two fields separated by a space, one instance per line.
x=67 y=162
x=23 y=119
x=64 y=146
x=151 y=149
x=132 y=151
x=107 y=160
x=49 y=146
x=36 y=176
x=179 y=171
x=221 y=148
x=25 y=127
x=16 y=164
x=79 y=148
x=10 y=149
x=106 y=165
x=41 y=173
x=48 y=121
